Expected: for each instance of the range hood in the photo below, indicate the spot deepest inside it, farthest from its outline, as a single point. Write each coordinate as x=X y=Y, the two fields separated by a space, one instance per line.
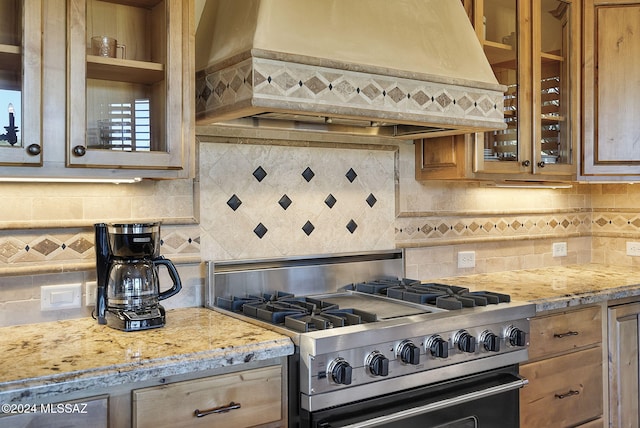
x=396 y=68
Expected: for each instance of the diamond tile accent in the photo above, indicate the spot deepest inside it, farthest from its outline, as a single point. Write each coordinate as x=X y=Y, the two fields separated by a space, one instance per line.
x=352 y=226
x=260 y=230
x=234 y=202
x=285 y=202
x=259 y=174
x=80 y=245
x=371 y=200
x=351 y=175
x=308 y=228
x=308 y=174
x=330 y=201
x=46 y=247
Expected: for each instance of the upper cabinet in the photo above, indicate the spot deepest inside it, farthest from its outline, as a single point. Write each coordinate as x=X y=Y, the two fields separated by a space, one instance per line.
x=117 y=99
x=532 y=47
x=611 y=143
x=20 y=83
x=125 y=83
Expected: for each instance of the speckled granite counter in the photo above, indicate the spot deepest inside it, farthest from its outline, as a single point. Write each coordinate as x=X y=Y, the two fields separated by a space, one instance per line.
x=557 y=287
x=40 y=360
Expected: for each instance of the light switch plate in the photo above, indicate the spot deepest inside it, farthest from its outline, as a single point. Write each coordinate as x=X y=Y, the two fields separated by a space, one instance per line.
x=54 y=297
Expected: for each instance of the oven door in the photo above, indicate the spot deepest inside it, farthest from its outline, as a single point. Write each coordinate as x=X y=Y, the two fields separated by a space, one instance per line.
x=490 y=399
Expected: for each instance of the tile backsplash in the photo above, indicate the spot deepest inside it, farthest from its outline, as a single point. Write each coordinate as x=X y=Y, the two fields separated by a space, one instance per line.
x=264 y=201
x=280 y=197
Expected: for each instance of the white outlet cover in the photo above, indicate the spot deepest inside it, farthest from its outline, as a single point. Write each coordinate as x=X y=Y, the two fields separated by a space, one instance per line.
x=559 y=249
x=91 y=289
x=54 y=297
x=466 y=259
x=633 y=248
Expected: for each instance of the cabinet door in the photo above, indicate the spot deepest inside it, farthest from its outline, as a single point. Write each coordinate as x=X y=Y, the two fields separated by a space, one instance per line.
x=20 y=82
x=611 y=88
x=125 y=106
x=624 y=388
x=532 y=47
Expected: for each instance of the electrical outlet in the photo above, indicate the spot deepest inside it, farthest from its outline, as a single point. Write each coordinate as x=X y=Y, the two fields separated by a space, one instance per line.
x=633 y=249
x=559 y=249
x=90 y=291
x=53 y=297
x=466 y=259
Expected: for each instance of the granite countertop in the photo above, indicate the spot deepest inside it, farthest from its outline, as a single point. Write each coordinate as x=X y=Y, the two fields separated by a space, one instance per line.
x=40 y=360
x=557 y=287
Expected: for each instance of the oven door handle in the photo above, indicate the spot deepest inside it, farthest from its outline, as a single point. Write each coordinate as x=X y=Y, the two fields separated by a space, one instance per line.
x=438 y=405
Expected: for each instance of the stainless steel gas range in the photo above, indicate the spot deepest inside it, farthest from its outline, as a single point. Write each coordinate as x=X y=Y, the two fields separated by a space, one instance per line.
x=377 y=349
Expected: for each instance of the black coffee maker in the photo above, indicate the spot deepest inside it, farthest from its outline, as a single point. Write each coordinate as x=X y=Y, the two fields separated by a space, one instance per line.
x=127 y=260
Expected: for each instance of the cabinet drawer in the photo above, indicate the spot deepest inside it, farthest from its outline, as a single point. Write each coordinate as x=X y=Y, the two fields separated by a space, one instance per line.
x=563 y=391
x=88 y=412
x=565 y=331
x=258 y=393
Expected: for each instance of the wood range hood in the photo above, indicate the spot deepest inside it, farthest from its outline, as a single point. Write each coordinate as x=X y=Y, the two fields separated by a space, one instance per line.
x=396 y=68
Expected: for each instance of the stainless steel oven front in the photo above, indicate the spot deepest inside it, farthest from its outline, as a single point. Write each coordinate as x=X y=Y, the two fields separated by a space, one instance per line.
x=484 y=400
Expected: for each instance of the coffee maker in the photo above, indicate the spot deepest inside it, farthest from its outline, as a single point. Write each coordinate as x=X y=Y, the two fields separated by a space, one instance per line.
x=127 y=261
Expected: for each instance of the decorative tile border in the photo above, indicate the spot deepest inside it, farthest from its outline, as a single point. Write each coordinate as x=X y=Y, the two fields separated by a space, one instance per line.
x=616 y=223
x=38 y=247
x=432 y=230
x=272 y=83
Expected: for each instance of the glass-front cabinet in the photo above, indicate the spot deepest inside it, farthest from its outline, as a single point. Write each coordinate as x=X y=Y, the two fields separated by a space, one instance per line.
x=20 y=85
x=96 y=89
x=533 y=47
x=125 y=83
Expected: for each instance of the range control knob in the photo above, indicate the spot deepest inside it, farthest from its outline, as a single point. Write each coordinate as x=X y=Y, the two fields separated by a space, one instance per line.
x=516 y=337
x=339 y=371
x=465 y=342
x=490 y=341
x=378 y=364
x=437 y=346
x=408 y=352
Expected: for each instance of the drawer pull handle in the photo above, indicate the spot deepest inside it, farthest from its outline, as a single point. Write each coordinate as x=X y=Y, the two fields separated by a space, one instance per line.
x=222 y=409
x=567 y=394
x=567 y=334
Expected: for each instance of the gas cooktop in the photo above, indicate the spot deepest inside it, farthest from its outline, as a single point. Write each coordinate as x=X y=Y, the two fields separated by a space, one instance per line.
x=378 y=333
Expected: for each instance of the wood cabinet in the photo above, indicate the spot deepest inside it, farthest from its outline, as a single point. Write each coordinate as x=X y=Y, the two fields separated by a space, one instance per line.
x=127 y=114
x=624 y=365
x=90 y=412
x=533 y=48
x=611 y=88
x=20 y=82
x=244 y=399
x=564 y=370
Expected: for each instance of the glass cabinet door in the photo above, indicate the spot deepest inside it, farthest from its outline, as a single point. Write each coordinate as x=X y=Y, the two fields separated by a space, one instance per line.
x=552 y=77
x=125 y=84
x=533 y=47
x=20 y=77
x=499 y=28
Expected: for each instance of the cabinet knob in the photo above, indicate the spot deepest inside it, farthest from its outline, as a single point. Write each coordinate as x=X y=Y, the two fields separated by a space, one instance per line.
x=79 y=150
x=34 y=149
x=526 y=163
x=541 y=164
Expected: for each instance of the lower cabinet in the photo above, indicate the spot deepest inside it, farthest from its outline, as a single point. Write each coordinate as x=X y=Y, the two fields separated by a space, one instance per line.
x=624 y=383
x=90 y=413
x=244 y=399
x=564 y=371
